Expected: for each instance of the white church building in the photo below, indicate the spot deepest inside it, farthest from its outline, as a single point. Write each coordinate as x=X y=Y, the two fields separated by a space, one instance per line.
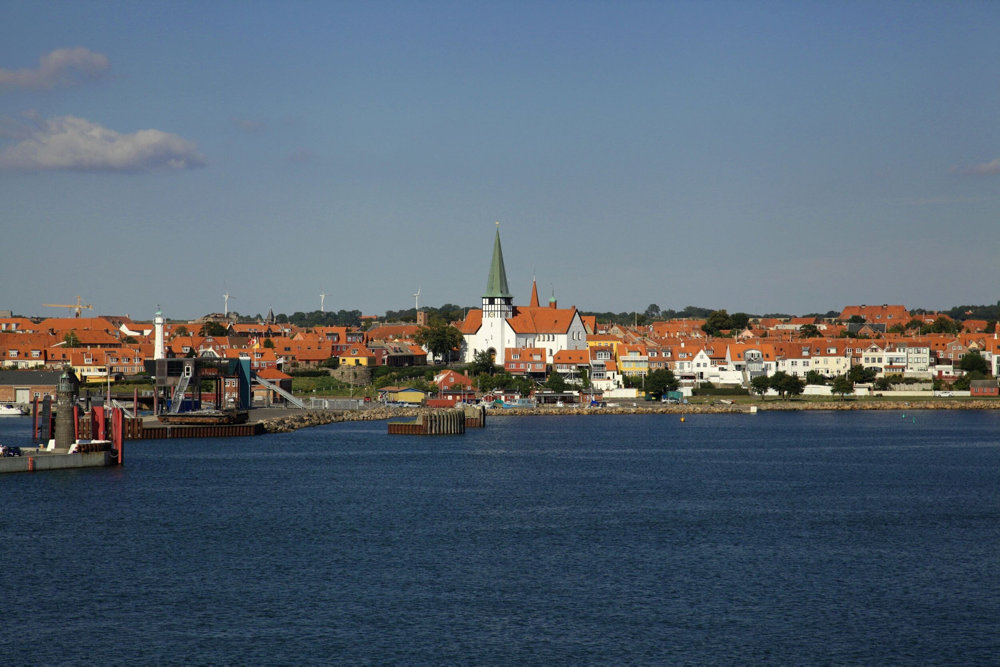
x=500 y=325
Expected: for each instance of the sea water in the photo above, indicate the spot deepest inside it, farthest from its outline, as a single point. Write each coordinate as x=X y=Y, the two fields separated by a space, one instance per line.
x=803 y=537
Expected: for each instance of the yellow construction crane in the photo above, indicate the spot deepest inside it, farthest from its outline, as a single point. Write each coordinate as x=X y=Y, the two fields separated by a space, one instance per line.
x=77 y=307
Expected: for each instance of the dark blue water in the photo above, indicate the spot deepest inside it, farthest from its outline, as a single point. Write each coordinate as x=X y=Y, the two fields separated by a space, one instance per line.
x=777 y=538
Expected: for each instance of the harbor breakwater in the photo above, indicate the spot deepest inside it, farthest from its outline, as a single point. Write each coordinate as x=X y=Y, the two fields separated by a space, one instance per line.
x=292 y=421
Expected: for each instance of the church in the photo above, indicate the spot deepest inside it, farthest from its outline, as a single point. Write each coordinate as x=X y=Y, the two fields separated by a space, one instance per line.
x=500 y=326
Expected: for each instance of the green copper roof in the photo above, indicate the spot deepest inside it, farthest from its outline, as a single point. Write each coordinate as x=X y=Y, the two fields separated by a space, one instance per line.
x=496 y=284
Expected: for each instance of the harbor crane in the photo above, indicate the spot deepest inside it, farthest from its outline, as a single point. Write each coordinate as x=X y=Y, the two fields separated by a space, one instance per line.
x=77 y=307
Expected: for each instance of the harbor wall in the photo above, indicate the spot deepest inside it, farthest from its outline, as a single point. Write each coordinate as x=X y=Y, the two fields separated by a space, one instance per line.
x=33 y=462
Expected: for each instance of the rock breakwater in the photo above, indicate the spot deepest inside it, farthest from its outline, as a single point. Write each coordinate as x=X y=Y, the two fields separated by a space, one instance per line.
x=306 y=418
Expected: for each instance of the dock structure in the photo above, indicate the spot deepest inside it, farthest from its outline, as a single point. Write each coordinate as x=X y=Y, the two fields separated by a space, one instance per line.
x=66 y=449
x=441 y=422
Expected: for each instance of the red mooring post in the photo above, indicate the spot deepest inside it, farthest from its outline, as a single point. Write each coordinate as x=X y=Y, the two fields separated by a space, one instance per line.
x=34 y=420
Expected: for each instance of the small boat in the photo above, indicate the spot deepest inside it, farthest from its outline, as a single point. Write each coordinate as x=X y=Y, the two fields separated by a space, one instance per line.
x=12 y=410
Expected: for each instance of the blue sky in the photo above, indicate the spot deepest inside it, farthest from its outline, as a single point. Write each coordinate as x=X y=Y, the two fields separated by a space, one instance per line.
x=755 y=156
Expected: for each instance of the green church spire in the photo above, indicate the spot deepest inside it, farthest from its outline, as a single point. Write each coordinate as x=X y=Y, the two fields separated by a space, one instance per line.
x=496 y=284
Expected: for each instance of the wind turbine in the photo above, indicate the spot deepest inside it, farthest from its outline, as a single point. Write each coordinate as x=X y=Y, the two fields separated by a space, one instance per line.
x=416 y=299
x=322 y=303
x=226 y=296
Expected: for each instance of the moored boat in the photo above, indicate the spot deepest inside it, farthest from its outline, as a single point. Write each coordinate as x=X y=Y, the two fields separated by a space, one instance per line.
x=12 y=410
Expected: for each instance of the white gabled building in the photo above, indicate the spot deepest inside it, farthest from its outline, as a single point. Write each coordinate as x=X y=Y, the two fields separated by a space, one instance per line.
x=500 y=324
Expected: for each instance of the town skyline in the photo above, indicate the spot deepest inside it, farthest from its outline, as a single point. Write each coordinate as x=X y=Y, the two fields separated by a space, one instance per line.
x=759 y=157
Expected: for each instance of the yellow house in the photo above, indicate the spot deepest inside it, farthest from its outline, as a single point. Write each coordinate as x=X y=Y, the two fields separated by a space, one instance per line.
x=357 y=355
x=633 y=360
x=401 y=395
x=89 y=365
x=605 y=341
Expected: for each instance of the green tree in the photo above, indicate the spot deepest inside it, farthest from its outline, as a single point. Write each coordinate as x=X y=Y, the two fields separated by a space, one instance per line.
x=71 y=339
x=440 y=339
x=941 y=324
x=181 y=331
x=964 y=382
x=776 y=382
x=484 y=381
x=760 y=384
x=632 y=381
x=786 y=384
x=739 y=321
x=808 y=331
x=652 y=311
x=973 y=361
x=861 y=375
x=815 y=377
x=556 y=382
x=522 y=385
x=792 y=385
x=212 y=329
x=660 y=382
x=842 y=385
x=268 y=343
x=482 y=362
x=716 y=322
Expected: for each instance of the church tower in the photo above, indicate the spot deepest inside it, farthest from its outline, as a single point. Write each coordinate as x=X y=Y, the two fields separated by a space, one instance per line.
x=498 y=303
x=494 y=334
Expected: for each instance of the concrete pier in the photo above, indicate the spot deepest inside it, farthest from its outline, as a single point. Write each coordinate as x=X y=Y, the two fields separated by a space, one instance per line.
x=31 y=461
x=436 y=422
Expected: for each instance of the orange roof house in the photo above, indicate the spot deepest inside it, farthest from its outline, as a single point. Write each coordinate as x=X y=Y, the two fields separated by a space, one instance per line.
x=449 y=378
x=884 y=314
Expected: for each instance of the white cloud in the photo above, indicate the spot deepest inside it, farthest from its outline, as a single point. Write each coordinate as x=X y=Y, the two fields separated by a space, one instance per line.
x=61 y=67
x=992 y=167
x=73 y=143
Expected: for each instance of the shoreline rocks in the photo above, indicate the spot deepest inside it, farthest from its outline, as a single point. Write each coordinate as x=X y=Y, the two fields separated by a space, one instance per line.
x=293 y=421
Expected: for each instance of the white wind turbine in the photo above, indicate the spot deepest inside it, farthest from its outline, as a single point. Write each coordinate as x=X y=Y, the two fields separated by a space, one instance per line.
x=227 y=296
x=322 y=303
x=416 y=299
